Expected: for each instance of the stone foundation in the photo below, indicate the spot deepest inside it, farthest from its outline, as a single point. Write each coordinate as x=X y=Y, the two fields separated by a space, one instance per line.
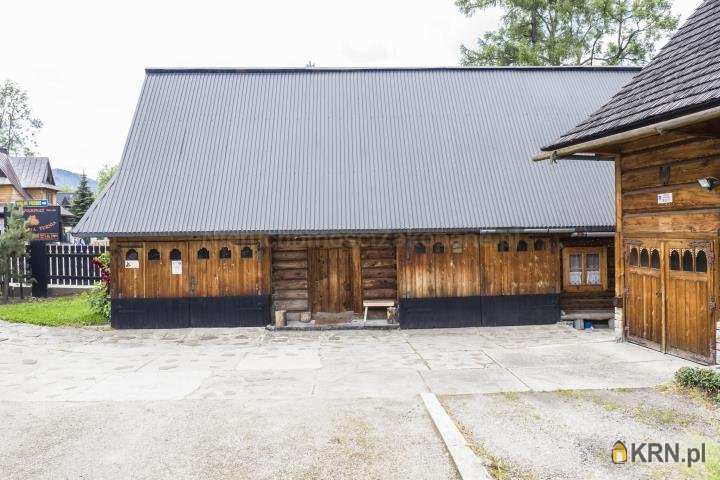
x=618 y=324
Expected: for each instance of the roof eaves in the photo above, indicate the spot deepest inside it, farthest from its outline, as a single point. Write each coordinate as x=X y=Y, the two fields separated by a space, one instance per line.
x=646 y=122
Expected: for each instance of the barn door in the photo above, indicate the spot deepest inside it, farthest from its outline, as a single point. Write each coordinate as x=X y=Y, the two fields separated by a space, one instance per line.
x=330 y=272
x=690 y=299
x=203 y=269
x=643 y=293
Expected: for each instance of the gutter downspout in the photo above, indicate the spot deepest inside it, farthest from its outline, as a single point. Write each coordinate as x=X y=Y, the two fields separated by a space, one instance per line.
x=656 y=128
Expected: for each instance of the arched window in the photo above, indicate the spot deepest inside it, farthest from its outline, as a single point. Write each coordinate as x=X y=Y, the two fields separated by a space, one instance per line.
x=153 y=255
x=246 y=252
x=674 y=260
x=687 y=261
x=701 y=261
x=438 y=248
x=225 y=253
x=633 y=258
x=503 y=246
x=457 y=247
x=203 y=254
x=655 y=260
x=522 y=246
x=131 y=254
x=175 y=254
x=419 y=247
x=644 y=258
x=539 y=245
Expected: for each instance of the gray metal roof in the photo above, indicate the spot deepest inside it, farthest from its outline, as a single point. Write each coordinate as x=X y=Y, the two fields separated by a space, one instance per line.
x=683 y=78
x=33 y=171
x=10 y=176
x=342 y=150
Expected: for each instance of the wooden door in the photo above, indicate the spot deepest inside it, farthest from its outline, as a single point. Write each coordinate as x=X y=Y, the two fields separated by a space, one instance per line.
x=330 y=272
x=203 y=269
x=690 y=299
x=644 y=294
x=166 y=270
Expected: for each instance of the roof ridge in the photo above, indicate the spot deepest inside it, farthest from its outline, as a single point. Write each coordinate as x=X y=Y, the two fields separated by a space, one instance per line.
x=614 y=68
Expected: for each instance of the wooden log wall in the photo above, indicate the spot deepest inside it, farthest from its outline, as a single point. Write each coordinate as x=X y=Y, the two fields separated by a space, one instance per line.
x=454 y=265
x=669 y=165
x=300 y=282
x=379 y=269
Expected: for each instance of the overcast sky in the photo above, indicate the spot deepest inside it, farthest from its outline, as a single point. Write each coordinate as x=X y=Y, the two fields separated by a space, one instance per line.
x=83 y=62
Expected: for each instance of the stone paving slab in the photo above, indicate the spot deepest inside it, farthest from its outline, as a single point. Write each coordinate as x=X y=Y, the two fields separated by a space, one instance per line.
x=92 y=364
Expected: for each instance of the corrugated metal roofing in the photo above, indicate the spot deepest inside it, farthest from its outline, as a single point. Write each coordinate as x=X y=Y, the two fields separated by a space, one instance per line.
x=318 y=151
x=33 y=171
x=683 y=78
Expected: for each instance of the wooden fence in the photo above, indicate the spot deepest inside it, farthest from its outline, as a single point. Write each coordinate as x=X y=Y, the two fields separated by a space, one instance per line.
x=64 y=264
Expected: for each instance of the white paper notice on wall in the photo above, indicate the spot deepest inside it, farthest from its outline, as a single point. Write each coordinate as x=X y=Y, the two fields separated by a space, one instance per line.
x=132 y=263
x=664 y=198
x=176 y=266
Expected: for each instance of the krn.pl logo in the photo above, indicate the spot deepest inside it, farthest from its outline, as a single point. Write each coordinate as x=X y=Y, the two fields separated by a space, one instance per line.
x=619 y=453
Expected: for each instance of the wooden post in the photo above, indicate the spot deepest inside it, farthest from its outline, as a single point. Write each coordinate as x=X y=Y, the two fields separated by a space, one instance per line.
x=357 y=280
x=400 y=246
x=619 y=248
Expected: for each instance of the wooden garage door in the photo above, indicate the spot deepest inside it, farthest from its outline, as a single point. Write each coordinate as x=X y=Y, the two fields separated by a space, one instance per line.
x=690 y=299
x=643 y=300
x=669 y=296
x=330 y=272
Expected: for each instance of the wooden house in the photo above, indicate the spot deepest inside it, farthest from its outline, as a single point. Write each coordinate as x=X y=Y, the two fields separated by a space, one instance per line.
x=25 y=179
x=662 y=131
x=316 y=190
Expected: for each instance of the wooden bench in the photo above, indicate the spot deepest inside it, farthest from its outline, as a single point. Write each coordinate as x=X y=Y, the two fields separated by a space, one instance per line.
x=376 y=304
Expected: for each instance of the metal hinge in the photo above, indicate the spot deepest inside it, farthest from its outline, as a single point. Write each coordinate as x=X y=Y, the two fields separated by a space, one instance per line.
x=712 y=304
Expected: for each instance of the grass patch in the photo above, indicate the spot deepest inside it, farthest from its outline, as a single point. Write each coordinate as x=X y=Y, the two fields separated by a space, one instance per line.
x=569 y=394
x=71 y=311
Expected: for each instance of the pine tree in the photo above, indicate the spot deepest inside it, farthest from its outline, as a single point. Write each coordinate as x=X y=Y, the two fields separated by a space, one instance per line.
x=82 y=199
x=13 y=243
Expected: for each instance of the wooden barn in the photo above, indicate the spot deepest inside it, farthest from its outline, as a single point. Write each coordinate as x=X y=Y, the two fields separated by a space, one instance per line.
x=662 y=131
x=316 y=191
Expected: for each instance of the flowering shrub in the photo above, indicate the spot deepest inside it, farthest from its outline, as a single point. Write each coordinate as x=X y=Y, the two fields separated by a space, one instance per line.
x=99 y=297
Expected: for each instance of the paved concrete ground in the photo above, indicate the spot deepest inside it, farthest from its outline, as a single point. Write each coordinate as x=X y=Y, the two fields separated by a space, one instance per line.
x=247 y=403
x=568 y=435
x=47 y=364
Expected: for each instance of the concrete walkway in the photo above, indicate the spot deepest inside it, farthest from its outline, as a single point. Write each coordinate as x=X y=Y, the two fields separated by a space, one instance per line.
x=48 y=364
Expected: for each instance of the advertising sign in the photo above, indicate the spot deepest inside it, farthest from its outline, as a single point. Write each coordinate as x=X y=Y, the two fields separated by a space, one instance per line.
x=44 y=222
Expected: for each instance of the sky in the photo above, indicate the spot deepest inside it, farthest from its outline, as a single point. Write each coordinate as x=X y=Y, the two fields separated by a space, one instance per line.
x=82 y=61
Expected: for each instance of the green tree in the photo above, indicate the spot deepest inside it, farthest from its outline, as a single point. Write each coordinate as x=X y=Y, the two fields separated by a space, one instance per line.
x=106 y=173
x=13 y=243
x=82 y=199
x=17 y=123
x=570 y=32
